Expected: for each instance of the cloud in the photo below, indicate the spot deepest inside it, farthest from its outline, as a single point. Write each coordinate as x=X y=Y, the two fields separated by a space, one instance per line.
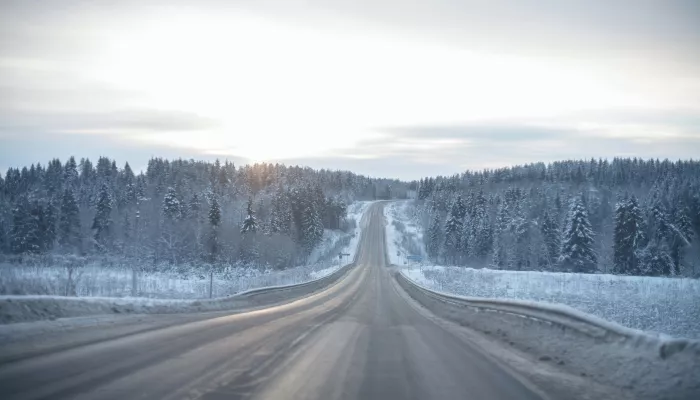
x=412 y=152
x=131 y=120
x=493 y=132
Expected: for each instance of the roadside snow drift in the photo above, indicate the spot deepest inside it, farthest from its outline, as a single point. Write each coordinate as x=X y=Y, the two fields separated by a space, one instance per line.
x=649 y=366
x=15 y=309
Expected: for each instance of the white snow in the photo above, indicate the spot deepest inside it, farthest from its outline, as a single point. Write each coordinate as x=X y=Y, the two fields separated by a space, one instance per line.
x=668 y=306
x=404 y=235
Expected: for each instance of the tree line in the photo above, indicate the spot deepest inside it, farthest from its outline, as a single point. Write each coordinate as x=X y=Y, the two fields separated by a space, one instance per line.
x=625 y=216
x=175 y=212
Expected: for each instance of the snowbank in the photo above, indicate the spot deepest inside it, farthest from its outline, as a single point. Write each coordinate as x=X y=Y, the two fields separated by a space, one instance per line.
x=662 y=306
x=584 y=345
x=15 y=309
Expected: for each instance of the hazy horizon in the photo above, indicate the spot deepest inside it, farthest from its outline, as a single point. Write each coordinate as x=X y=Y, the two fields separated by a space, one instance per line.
x=381 y=88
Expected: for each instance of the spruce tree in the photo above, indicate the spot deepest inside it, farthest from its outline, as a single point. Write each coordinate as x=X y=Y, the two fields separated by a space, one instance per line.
x=434 y=235
x=481 y=235
x=312 y=228
x=194 y=207
x=48 y=218
x=102 y=223
x=70 y=173
x=552 y=237
x=682 y=238
x=627 y=237
x=453 y=229
x=655 y=260
x=500 y=254
x=25 y=235
x=69 y=235
x=213 y=247
x=172 y=211
x=3 y=236
x=577 y=253
x=250 y=224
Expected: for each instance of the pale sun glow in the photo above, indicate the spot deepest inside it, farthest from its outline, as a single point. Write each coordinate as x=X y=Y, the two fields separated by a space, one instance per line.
x=282 y=91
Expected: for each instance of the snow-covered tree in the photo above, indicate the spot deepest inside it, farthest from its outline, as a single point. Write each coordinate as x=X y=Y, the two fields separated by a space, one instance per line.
x=249 y=245
x=628 y=237
x=25 y=235
x=434 y=238
x=70 y=174
x=102 y=223
x=682 y=238
x=577 y=254
x=213 y=246
x=654 y=259
x=311 y=228
x=453 y=229
x=172 y=210
x=552 y=237
x=250 y=224
x=48 y=217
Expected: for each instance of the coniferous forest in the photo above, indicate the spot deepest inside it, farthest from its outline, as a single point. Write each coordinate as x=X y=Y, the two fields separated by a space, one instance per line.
x=176 y=212
x=624 y=216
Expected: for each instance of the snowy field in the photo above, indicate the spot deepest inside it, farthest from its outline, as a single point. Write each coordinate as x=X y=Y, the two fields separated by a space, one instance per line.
x=660 y=305
x=669 y=306
x=95 y=280
x=404 y=235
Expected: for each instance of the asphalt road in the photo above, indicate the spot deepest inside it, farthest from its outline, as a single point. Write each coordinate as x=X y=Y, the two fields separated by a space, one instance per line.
x=360 y=339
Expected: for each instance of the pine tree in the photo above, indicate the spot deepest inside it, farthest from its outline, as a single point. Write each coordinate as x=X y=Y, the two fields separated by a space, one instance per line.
x=194 y=207
x=172 y=210
x=3 y=237
x=102 y=223
x=70 y=173
x=500 y=255
x=466 y=246
x=250 y=224
x=523 y=252
x=25 y=235
x=577 y=253
x=682 y=238
x=280 y=217
x=655 y=260
x=552 y=237
x=453 y=229
x=311 y=228
x=627 y=237
x=481 y=236
x=434 y=235
x=214 y=213
x=213 y=247
x=249 y=246
x=47 y=226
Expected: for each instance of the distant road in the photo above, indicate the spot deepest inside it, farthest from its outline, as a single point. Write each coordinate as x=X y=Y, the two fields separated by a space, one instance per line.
x=360 y=339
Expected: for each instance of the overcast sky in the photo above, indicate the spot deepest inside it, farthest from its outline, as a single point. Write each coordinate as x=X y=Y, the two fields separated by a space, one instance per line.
x=394 y=88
